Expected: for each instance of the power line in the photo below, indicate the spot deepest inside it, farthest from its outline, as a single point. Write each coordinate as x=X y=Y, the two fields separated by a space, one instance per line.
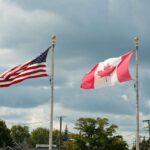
x=60 y=134
x=148 y=122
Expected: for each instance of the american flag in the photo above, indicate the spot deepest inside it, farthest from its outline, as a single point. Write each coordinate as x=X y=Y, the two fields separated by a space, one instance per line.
x=31 y=69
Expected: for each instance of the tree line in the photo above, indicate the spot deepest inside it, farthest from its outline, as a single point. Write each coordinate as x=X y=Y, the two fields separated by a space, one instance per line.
x=92 y=134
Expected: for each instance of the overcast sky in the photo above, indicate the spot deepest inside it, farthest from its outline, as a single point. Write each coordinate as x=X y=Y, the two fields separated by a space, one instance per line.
x=87 y=32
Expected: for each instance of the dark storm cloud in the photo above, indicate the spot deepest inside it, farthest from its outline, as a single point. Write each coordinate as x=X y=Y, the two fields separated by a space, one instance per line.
x=92 y=31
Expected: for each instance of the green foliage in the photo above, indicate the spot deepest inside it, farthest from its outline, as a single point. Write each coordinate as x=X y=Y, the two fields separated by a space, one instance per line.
x=97 y=134
x=39 y=136
x=56 y=137
x=94 y=134
x=5 y=138
x=66 y=135
x=19 y=133
x=68 y=145
x=117 y=143
x=144 y=145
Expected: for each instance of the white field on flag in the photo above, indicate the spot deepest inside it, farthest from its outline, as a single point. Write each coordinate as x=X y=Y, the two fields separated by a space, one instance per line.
x=109 y=72
x=109 y=79
x=31 y=69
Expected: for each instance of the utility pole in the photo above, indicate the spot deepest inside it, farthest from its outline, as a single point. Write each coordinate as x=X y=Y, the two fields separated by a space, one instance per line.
x=148 y=122
x=60 y=131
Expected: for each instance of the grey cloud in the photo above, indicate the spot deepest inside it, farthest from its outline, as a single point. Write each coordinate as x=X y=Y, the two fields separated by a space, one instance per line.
x=24 y=96
x=87 y=32
x=95 y=101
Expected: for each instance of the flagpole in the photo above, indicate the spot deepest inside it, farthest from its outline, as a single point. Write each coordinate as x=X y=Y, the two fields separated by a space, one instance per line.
x=136 y=41
x=52 y=92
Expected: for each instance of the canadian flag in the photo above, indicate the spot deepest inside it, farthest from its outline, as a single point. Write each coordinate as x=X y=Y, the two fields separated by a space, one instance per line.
x=107 y=73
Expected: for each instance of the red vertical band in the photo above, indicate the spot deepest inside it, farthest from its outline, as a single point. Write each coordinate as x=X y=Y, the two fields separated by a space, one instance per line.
x=88 y=79
x=122 y=69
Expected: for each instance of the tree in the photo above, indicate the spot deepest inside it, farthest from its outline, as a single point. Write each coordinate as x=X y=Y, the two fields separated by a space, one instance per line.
x=5 y=138
x=144 y=144
x=39 y=136
x=117 y=143
x=56 y=137
x=69 y=145
x=19 y=133
x=97 y=134
x=66 y=135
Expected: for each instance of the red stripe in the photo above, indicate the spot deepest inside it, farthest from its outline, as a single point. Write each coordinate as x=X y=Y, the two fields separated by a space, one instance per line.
x=27 y=69
x=33 y=66
x=7 y=72
x=122 y=69
x=29 y=73
x=23 y=74
x=36 y=76
x=36 y=66
x=13 y=72
x=88 y=79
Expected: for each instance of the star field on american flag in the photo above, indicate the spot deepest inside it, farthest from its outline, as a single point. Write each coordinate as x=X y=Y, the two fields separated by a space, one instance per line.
x=41 y=58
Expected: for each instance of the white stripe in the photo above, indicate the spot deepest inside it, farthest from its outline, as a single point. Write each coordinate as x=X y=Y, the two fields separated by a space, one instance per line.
x=23 y=77
x=18 y=68
x=28 y=71
x=8 y=72
x=21 y=71
x=30 y=75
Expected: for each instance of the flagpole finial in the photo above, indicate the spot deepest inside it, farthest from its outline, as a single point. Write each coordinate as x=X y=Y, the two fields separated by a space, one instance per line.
x=53 y=38
x=136 y=40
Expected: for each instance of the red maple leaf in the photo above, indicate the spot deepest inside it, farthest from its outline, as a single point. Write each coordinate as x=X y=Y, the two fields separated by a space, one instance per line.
x=107 y=71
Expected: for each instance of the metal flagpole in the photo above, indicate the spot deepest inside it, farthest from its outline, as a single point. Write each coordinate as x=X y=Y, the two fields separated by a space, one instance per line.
x=52 y=92
x=136 y=41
